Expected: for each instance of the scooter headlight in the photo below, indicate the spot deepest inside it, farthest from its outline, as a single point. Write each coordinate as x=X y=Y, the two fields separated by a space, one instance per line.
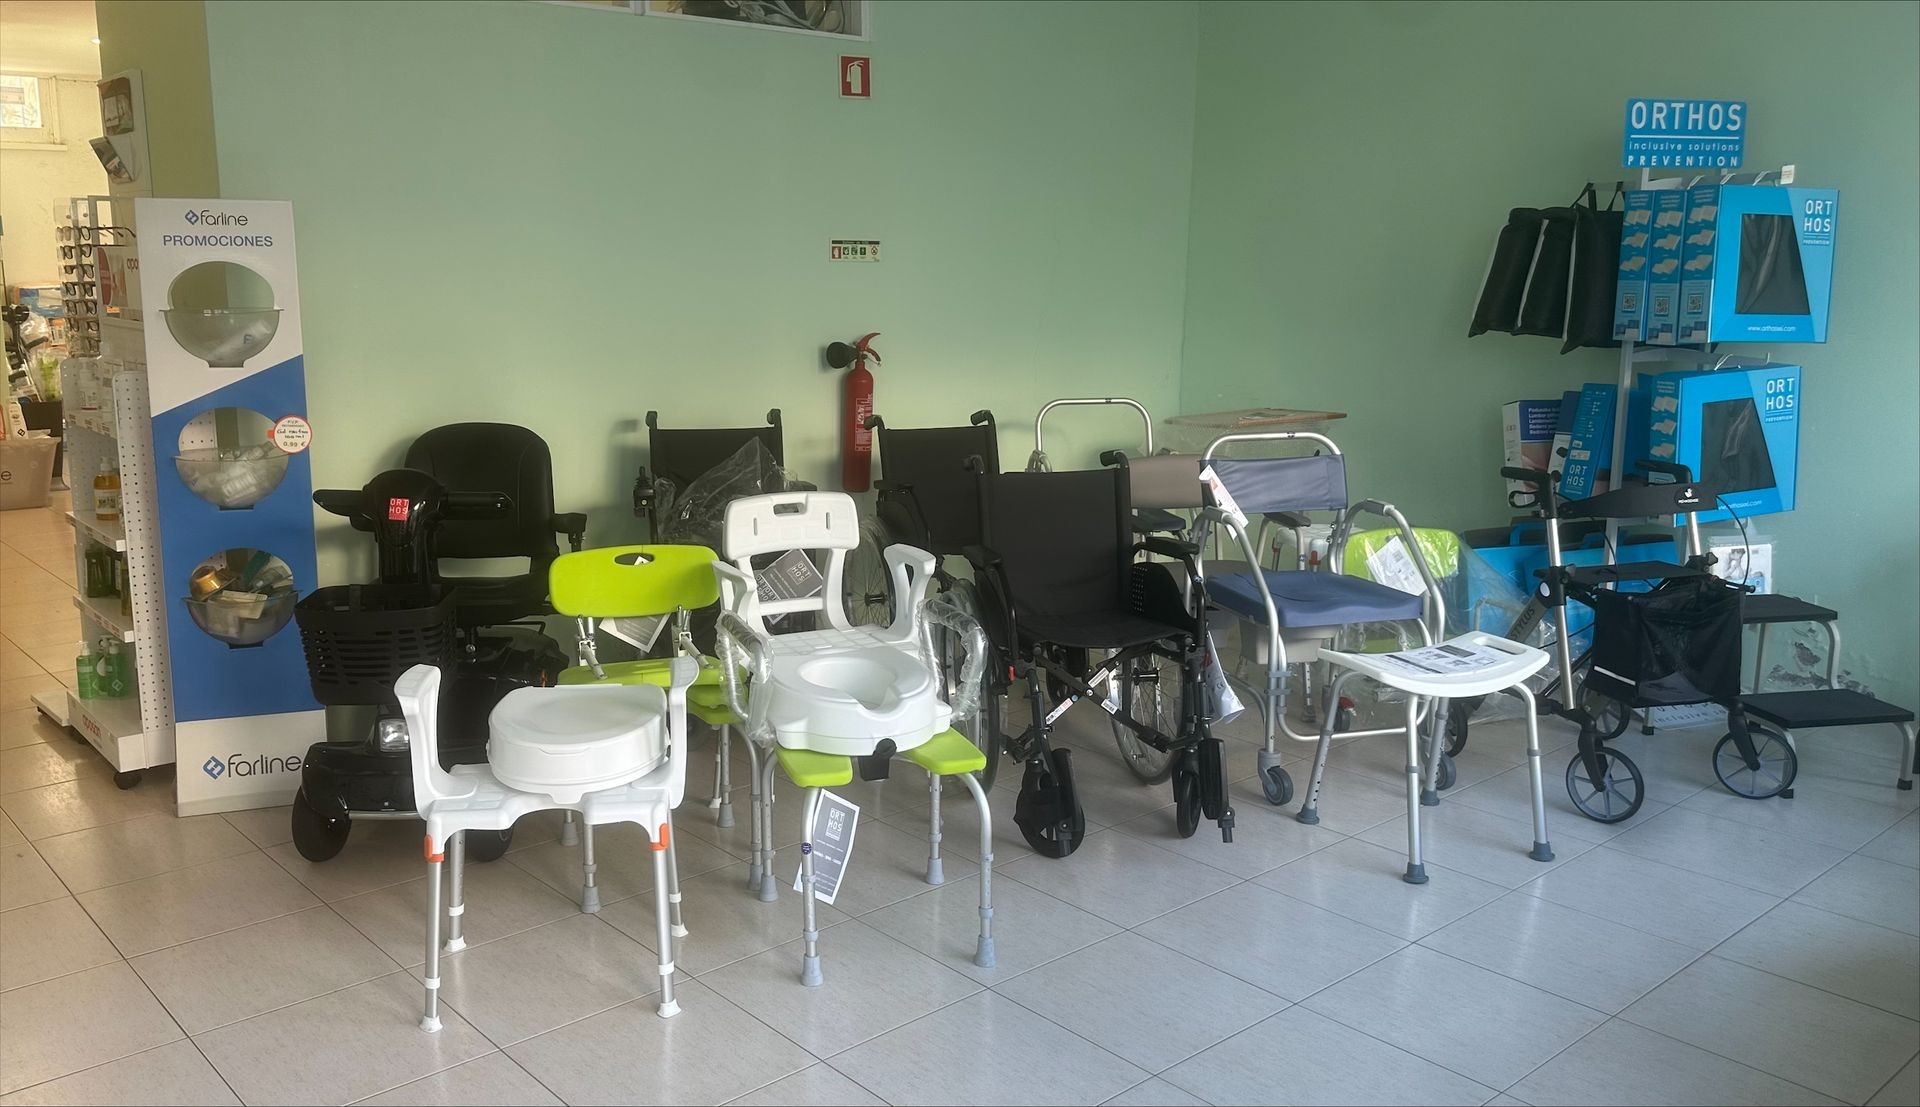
x=391 y=736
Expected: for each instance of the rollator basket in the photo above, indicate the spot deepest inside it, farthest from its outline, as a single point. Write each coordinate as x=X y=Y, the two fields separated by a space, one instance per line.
x=1677 y=644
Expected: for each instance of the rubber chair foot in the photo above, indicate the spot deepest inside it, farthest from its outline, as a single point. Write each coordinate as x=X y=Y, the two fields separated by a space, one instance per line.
x=753 y=880
x=983 y=955
x=678 y=930
x=430 y=1025
x=1906 y=786
x=454 y=945
x=810 y=971
x=1541 y=852
x=569 y=834
x=1308 y=815
x=936 y=871
x=769 y=888
x=668 y=1009
x=1786 y=793
x=1416 y=874
x=590 y=901
x=724 y=819
x=1429 y=798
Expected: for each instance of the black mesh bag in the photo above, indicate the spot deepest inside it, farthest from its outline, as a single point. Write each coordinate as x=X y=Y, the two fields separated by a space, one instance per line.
x=1677 y=644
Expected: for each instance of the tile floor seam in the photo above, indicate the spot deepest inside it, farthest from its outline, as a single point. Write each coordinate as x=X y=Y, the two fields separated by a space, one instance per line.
x=1522 y=890
x=1412 y=1053
x=1151 y=1073
x=1896 y=1075
x=1714 y=952
x=1609 y=844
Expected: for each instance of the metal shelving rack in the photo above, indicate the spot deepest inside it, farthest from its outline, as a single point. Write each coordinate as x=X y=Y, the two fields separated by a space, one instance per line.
x=133 y=732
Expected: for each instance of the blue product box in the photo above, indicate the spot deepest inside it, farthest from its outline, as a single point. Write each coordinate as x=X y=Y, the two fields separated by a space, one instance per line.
x=1757 y=264
x=1526 y=554
x=1738 y=430
x=1630 y=296
x=1663 y=267
x=1590 y=450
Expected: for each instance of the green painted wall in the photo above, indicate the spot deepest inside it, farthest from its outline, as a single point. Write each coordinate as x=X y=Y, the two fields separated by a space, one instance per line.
x=1353 y=160
x=167 y=41
x=567 y=217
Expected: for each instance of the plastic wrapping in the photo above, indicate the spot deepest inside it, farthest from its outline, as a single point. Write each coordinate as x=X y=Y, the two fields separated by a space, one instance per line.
x=744 y=658
x=941 y=610
x=1037 y=462
x=696 y=515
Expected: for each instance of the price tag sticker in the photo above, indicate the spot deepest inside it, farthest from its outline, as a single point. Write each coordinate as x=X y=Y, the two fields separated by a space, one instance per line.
x=292 y=434
x=1222 y=498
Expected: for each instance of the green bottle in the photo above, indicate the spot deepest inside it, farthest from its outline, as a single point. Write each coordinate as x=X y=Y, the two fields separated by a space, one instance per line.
x=86 y=675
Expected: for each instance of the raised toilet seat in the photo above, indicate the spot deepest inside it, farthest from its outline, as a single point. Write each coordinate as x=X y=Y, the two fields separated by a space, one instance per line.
x=569 y=740
x=848 y=701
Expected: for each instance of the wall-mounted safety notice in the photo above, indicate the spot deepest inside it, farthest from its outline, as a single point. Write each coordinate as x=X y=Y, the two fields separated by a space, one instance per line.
x=832 y=846
x=853 y=249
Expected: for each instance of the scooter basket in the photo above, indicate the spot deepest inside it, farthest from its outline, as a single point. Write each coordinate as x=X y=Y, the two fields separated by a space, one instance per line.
x=360 y=638
x=1678 y=644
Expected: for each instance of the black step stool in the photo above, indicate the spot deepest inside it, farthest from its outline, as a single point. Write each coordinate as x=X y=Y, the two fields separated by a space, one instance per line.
x=1791 y=711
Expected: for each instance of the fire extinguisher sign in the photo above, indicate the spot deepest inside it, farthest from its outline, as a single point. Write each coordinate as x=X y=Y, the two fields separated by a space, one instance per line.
x=856 y=77
x=853 y=249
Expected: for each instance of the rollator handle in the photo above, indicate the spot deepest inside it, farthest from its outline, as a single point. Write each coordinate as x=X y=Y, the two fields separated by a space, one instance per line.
x=1678 y=472
x=1537 y=477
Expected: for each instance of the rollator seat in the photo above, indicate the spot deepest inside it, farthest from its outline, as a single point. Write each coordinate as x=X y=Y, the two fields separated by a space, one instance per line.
x=563 y=742
x=1102 y=630
x=1590 y=575
x=848 y=701
x=1306 y=598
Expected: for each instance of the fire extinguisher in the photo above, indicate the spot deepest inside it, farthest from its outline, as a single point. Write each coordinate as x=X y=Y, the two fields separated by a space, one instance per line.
x=856 y=468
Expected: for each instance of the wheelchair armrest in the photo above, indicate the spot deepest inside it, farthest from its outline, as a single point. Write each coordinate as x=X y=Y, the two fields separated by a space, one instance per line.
x=1168 y=547
x=1153 y=520
x=573 y=524
x=1292 y=520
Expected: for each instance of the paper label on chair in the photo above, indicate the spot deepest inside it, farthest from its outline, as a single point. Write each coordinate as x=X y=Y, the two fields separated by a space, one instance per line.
x=792 y=576
x=1393 y=566
x=832 y=846
x=640 y=631
x=1447 y=659
x=1222 y=498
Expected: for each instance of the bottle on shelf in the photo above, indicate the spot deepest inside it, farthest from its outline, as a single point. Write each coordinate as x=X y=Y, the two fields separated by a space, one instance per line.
x=116 y=672
x=106 y=493
x=86 y=675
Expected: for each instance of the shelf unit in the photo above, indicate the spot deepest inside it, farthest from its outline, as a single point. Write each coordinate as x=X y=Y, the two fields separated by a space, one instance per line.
x=107 y=418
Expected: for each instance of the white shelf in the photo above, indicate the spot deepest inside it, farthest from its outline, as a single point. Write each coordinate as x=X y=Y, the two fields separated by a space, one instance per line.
x=105 y=610
x=94 y=420
x=108 y=721
x=111 y=535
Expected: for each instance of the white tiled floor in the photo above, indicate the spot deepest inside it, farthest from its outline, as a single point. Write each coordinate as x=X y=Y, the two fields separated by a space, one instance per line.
x=1711 y=951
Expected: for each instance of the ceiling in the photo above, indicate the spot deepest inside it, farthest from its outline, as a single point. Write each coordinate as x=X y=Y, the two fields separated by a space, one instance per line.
x=49 y=38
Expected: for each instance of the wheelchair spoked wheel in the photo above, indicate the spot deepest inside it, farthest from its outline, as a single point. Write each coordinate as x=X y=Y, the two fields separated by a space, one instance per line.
x=1615 y=796
x=1777 y=764
x=865 y=584
x=1150 y=696
x=1459 y=712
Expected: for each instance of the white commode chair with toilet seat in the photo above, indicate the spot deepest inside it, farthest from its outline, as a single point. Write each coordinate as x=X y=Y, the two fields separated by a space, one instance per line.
x=817 y=699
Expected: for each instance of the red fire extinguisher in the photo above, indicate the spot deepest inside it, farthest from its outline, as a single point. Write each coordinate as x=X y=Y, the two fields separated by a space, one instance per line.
x=856 y=468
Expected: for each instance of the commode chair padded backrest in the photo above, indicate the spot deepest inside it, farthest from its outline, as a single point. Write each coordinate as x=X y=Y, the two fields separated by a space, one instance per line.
x=1168 y=482
x=624 y=582
x=1065 y=538
x=1265 y=484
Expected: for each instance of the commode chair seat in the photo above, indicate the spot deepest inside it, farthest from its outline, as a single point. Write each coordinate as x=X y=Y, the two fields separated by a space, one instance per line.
x=848 y=701
x=1311 y=598
x=569 y=740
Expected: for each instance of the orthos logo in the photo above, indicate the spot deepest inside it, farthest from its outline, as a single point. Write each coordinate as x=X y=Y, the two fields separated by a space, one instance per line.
x=259 y=764
x=215 y=218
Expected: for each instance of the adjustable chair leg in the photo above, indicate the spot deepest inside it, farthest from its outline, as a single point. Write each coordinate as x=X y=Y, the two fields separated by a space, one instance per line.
x=810 y=962
x=1542 y=848
x=936 y=872
x=430 y=1012
x=1416 y=868
x=724 y=817
x=457 y=905
x=589 y=891
x=719 y=762
x=1310 y=807
x=1909 y=760
x=678 y=925
x=983 y=952
x=663 y=936
x=569 y=830
x=769 y=886
x=756 y=842
x=1430 y=772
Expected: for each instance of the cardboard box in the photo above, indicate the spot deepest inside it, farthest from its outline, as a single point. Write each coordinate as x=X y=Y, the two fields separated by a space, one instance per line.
x=1663 y=267
x=1636 y=239
x=1526 y=434
x=1737 y=430
x=26 y=471
x=1757 y=263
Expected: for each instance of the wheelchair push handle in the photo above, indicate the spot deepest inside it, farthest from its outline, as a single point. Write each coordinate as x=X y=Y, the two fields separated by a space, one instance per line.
x=1539 y=478
x=1146 y=419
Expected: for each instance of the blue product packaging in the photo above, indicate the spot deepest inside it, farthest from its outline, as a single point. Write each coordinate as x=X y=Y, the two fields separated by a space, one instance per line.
x=1737 y=430
x=1663 y=267
x=1590 y=451
x=1630 y=296
x=1758 y=263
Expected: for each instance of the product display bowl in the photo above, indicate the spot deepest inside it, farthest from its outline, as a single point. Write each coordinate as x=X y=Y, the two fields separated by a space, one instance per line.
x=224 y=338
x=232 y=482
x=242 y=619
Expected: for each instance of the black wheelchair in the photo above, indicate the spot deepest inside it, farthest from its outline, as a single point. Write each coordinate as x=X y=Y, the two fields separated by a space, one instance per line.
x=1061 y=584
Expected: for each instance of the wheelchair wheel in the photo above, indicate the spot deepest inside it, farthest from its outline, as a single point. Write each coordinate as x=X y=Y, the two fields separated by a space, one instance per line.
x=1048 y=811
x=1186 y=798
x=1150 y=696
x=1444 y=773
x=1459 y=714
x=488 y=845
x=1778 y=764
x=317 y=837
x=865 y=585
x=1615 y=796
x=990 y=737
x=1277 y=785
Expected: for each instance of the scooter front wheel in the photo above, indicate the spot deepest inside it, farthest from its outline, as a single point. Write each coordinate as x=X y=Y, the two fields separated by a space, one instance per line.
x=318 y=837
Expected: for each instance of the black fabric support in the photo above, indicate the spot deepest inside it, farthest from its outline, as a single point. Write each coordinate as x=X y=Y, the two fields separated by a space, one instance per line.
x=1678 y=644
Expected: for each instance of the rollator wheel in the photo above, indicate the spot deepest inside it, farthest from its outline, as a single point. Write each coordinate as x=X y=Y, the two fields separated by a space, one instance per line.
x=1615 y=796
x=488 y=845
x=1277 y=785
x=1150 y=696
x=317 y=837
x=1459 y=714
x=1444 y=773
x=1186 y=799
x=1778 y=764
x=1048 y=811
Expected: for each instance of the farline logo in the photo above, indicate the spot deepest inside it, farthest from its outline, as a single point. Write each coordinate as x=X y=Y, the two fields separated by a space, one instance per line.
x=214 y=767
x=259 y=764
x=194 y=217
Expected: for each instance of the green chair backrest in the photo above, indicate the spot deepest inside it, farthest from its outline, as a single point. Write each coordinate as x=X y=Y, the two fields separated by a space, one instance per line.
x=624 y=582
x=1439 y=548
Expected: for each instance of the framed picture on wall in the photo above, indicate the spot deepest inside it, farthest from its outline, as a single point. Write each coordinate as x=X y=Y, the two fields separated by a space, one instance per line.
x=838 y=18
